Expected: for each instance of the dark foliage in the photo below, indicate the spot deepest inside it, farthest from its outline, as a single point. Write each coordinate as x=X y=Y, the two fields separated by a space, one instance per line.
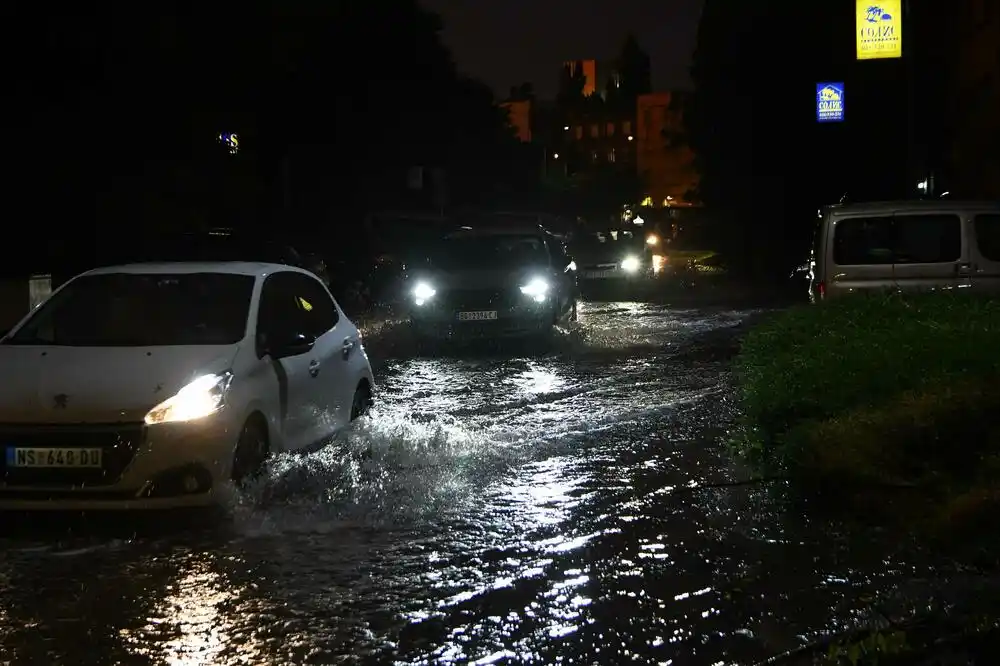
x=333 y=102
x=766 y=164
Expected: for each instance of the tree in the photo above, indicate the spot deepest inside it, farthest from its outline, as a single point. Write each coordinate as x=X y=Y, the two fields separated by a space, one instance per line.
x=572 y=83
x=602 y=190
x=522 y=92
x=131 y=103
x=634 y=70
x=763 y=165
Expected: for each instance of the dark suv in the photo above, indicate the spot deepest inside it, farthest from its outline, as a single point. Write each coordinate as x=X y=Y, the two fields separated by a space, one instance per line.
x=492 y=282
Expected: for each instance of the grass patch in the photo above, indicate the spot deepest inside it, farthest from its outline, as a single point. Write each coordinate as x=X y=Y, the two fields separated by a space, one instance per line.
x=857 y=395
x=888 y=389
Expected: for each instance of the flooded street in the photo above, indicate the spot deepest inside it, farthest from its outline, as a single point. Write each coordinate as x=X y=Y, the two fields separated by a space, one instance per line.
x=569 y=506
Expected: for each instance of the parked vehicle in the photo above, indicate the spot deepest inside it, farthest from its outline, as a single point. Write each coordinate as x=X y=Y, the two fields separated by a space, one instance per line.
x=153 y=385
x=613 y=256
x=905 y=245
x=492 y=282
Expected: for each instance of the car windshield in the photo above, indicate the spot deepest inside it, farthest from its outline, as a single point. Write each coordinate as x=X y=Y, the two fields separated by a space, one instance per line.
x=489 y=252
x=140 y=310
x=606 y=244
x=609 y=238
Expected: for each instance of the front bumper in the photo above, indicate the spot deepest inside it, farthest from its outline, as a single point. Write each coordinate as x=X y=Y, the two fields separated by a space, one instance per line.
x=473 y=330
x=613 y=274
x=510 y=315
x=164 y=466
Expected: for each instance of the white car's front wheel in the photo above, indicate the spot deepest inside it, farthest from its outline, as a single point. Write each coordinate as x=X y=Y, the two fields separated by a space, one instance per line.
x=362 y=401
x=251 y=452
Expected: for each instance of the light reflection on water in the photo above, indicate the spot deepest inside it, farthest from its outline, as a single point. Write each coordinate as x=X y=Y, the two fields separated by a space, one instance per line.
x=188 y=627
x=495 y=508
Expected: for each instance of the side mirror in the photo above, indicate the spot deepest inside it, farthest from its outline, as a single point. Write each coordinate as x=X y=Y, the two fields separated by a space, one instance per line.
x=294 y=345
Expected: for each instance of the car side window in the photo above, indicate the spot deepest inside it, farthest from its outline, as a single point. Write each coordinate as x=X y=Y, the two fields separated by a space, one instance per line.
x=276 y=316
x=314 y=306
x=559 y=256
x=861 y=241
x=988 y=236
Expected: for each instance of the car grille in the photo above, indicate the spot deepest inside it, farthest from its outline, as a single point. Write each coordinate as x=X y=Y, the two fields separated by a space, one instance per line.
x=478 y=299
x=118 y=443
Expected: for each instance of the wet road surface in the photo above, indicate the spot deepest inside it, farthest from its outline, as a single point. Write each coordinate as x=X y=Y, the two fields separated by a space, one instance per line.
x=509 y=506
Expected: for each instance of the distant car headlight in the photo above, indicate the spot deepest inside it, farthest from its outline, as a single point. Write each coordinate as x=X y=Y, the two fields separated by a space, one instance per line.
x=423 y=292
x=631 y=264
x=537 y=289
x=652 y=239
x=202 y=397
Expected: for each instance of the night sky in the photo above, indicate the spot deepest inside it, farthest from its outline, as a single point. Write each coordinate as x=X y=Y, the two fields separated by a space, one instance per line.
x=505 y=42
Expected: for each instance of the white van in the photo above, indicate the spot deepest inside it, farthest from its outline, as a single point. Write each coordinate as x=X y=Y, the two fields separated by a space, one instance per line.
x=905 y=245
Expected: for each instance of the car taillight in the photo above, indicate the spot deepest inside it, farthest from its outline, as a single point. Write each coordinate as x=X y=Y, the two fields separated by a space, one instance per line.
x=821 y=289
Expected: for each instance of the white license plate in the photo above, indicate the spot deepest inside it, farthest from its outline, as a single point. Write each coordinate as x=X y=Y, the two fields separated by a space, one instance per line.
x=483 y=315
x=38 y=457
x=600 y=274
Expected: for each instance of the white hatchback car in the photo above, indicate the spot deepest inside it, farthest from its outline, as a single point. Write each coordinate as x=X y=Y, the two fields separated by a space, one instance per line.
x=154 y=385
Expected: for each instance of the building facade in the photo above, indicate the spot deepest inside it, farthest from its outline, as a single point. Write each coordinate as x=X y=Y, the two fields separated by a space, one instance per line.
x=520 y=116
x=664 y=159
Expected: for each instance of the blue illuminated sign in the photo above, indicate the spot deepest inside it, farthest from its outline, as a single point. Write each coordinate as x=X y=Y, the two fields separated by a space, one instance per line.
x=829 y=102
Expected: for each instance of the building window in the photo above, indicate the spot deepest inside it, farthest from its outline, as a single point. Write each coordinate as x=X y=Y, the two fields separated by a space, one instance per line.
x=578 y=130
x=595 y=131
x=611 y=129
x=627 y=127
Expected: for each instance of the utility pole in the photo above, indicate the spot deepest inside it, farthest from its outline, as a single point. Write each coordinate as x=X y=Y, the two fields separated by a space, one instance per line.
x=914 y=166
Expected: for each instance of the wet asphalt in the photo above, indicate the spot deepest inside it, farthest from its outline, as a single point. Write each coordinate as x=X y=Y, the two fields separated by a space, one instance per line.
x=566 y=504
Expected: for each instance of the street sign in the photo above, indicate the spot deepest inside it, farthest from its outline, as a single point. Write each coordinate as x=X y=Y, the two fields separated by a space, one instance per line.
x=879 y=25
x=829 y=102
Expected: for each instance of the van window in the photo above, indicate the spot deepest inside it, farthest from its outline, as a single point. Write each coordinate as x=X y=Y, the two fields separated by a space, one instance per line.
x=903 y=239
x=928 y=239
x=862 y=241
x=988 y=236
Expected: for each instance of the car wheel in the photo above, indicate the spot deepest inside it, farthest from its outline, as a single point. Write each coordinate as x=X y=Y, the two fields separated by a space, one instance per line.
x=251 y=452
x=362 y=401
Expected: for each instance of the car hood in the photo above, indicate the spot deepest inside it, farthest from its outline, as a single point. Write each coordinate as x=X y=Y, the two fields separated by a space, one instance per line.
x=483 y=279
x=98 y=384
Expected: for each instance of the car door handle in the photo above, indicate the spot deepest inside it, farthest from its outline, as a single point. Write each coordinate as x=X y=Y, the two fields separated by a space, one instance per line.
x=347 y=348
x=313 y=368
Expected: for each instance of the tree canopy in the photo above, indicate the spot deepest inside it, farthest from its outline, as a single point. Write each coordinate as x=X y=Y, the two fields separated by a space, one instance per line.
x=766 y=163
x=752 y=126
x=332 y=101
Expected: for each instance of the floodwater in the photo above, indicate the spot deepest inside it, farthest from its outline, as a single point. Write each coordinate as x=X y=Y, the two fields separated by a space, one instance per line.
x=571 y=505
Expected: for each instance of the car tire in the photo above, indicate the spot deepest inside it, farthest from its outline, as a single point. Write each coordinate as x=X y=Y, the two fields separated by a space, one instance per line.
x=252 y=450
x=361 y=402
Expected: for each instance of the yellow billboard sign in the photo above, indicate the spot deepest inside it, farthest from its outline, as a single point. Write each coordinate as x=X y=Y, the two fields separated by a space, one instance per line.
x=879 y=28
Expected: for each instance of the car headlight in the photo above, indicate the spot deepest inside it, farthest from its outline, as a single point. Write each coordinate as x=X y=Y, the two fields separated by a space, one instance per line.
x=423 y=292
x=202 y=397
x=631 y=264
x=537 y=289
x=652 y=239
